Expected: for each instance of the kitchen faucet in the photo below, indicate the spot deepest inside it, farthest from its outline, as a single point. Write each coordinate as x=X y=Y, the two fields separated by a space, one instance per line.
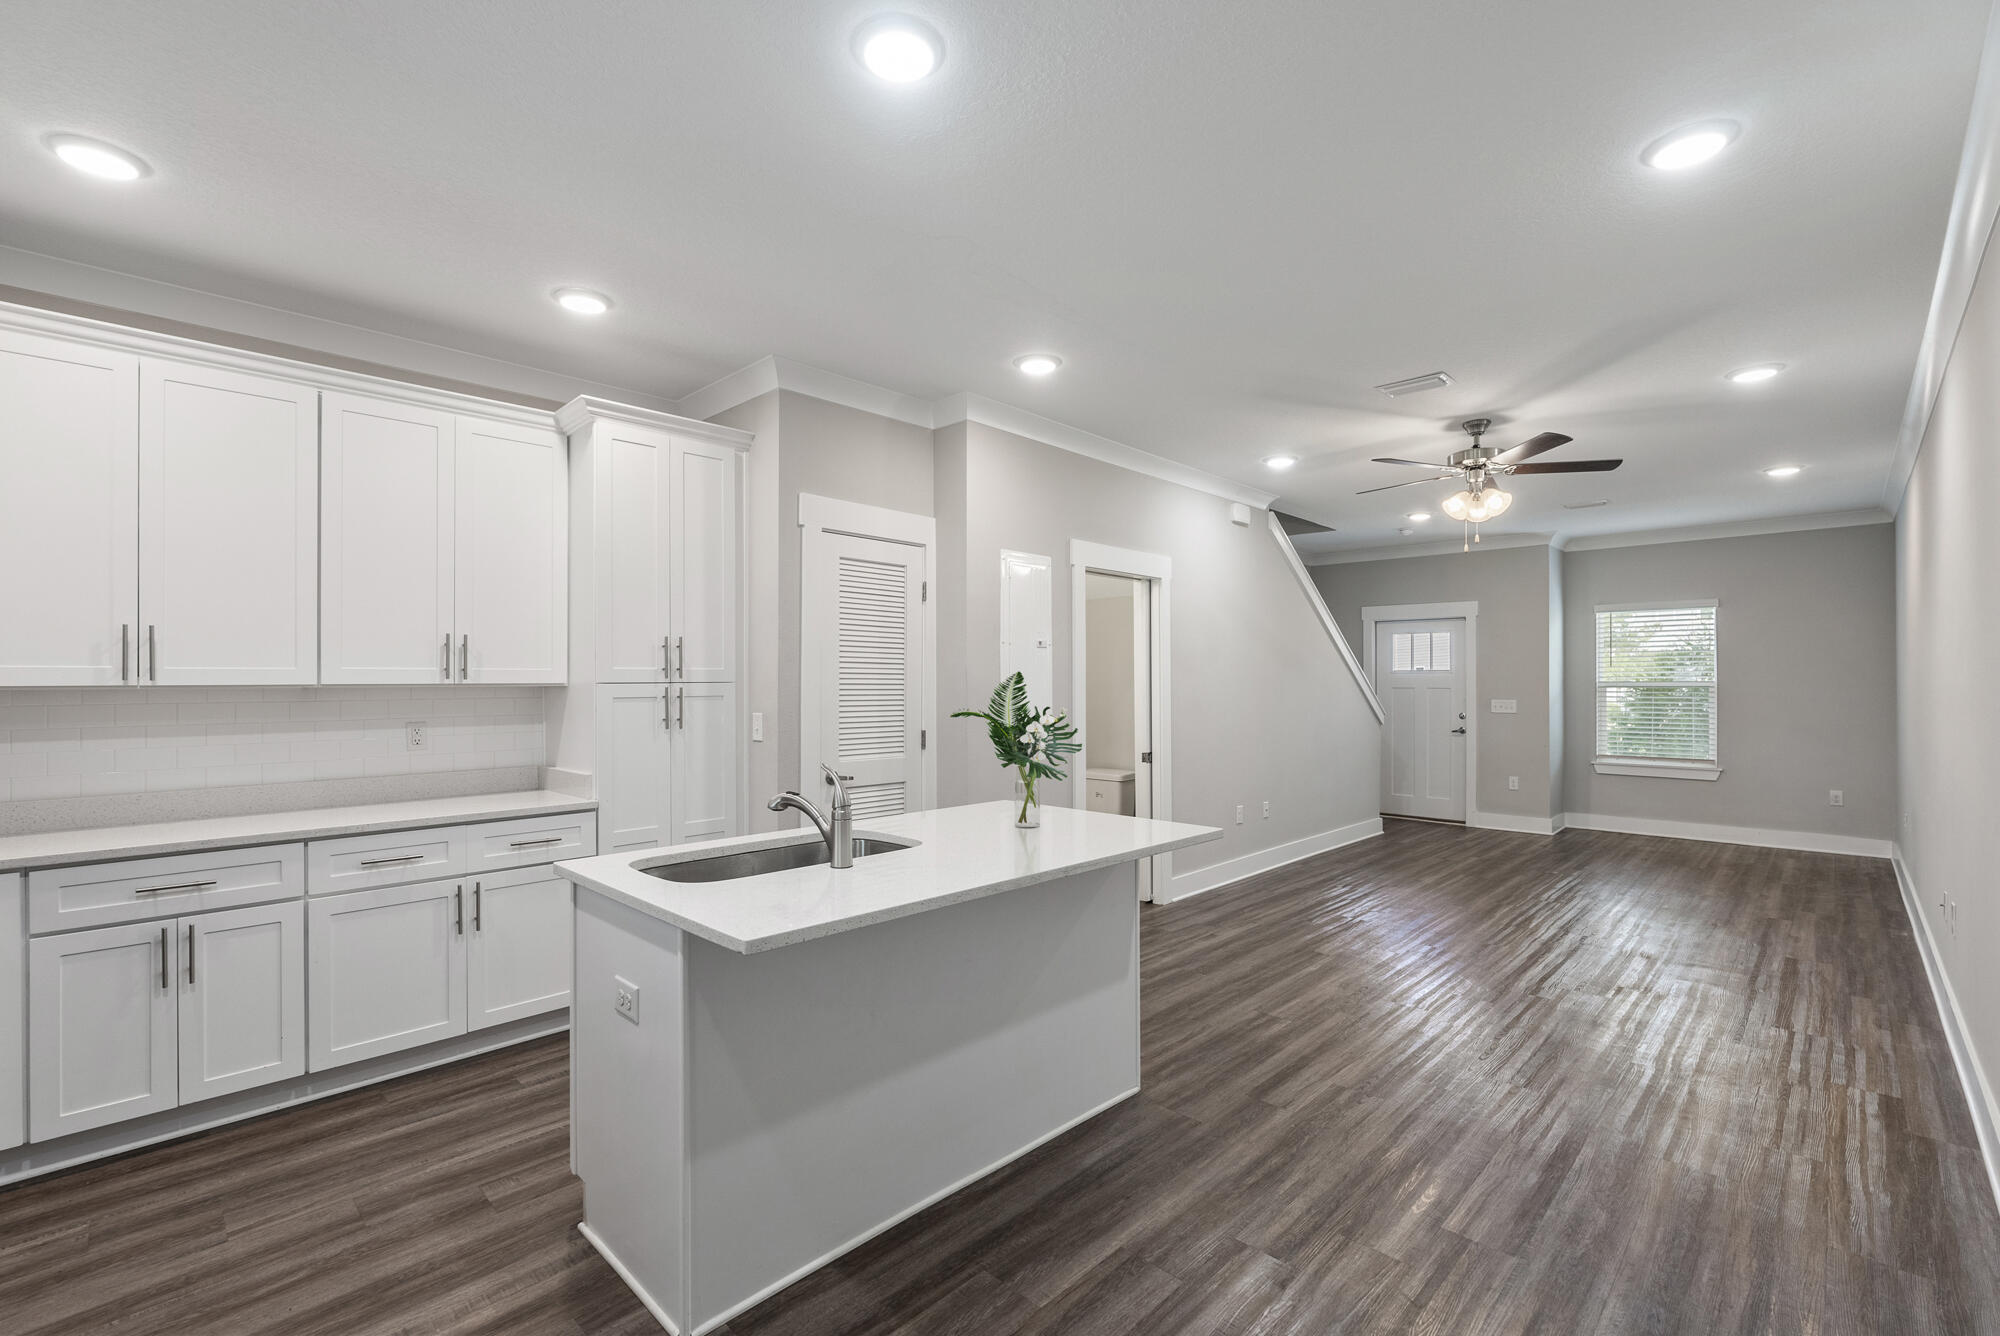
x=836 y=828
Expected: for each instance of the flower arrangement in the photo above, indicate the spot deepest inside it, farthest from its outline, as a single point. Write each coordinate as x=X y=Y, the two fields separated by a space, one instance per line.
x=1033 y=741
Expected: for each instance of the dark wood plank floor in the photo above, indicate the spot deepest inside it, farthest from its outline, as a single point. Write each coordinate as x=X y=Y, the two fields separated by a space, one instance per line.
x=1443 y=1082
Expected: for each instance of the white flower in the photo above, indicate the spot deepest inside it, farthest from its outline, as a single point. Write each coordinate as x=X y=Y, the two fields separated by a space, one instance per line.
x=1049 y=715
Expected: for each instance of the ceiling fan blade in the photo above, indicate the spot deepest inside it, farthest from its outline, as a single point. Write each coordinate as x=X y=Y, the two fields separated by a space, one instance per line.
x=1534 y=445
x=1411 y=483
x=1408 y=463
x=1570 y=466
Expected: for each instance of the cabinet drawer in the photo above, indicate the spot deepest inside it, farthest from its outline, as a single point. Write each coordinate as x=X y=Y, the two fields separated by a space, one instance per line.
x=385 y=858
x=98 y=894
x=530 y=840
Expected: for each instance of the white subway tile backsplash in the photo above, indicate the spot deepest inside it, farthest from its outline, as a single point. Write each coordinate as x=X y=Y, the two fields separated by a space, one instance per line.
x=57 y=743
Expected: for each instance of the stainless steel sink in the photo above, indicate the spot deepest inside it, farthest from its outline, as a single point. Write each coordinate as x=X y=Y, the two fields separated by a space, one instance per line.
x=756 y=862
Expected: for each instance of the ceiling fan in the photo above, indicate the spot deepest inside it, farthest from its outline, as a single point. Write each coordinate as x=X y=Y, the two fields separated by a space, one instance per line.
x=1481 y=467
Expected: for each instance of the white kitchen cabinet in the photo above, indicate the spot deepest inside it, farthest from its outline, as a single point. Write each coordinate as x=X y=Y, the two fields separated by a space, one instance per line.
x=387 y=544
x=517 y=947
x=386 y=971
x=703 y=594
x=102 y=1026
x=634 y=766
x=228 y=527
x=242 y=1009
x=704 y=761
x=13 y=1011
x=69 y=512
x=631 y=466
x=512 y=554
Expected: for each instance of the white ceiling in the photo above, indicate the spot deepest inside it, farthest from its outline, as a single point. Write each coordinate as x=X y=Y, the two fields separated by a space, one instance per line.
x=1231 y=220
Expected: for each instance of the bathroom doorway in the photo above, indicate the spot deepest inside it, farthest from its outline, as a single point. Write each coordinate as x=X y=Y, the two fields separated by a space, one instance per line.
x=1119 y=666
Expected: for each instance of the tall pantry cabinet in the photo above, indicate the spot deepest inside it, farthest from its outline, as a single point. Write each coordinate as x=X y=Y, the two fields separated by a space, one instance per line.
x=653 y=712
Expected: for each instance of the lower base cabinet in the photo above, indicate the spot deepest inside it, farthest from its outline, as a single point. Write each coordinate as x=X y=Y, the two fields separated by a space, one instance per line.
x=13 y=1011
x=144 y=1017
x=397 y=968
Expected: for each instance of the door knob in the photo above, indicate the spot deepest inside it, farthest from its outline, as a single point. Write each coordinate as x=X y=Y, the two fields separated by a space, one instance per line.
x=1459 y=731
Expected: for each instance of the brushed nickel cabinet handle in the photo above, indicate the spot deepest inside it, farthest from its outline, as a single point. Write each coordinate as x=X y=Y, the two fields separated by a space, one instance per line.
x=475 y=907
x=177 y=886
x=152 y=656
x=164 y=985
x=383 y=862
x=190 y=955
x=464 y=657
x=667 y=708
x=680 y=657
x=447 y=656
x=681 y=710
x=529 y=844
x=666 y=657
x=458 y=901
x=124 y=651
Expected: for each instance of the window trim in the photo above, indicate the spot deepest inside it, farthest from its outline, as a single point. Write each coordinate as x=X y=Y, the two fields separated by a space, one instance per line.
x=1654 y=767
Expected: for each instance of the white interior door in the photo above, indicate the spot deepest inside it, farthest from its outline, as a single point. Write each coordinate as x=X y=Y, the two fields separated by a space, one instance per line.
x=242 y=999
x=1420 y=679
x=228 y=526
x=512 y=554
x=69 y=513
x=704 y=745
x=386 y=515
x=517 y=946
x=101 y=1031
x=634 y=766
x=387 y=971
x=703 y=528
x=862 y=653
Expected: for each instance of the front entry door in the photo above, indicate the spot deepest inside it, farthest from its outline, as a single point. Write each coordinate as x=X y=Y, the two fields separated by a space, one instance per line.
x=1420 y=678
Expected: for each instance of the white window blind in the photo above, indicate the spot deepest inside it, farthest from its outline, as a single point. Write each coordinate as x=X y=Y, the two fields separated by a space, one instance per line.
x=1656 y=683
x=1420 y=652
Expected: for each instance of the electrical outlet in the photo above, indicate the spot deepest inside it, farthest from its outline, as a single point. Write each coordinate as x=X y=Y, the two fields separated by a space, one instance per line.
x=417 y=735
x=756 y=725
x=1267 y=811
x=1835 y=798
x=1239 y=814
x=1513 y=781
x=626 y=999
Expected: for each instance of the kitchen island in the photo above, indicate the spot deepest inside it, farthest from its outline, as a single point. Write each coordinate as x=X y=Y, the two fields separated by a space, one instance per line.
x=768 y=1070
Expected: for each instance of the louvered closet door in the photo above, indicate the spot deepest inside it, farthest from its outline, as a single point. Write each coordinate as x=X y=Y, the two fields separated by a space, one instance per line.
x=871 y=666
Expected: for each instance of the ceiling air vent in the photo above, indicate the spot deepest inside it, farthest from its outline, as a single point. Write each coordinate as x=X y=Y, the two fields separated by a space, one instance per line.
x=1396 y=389
x=1585 y=505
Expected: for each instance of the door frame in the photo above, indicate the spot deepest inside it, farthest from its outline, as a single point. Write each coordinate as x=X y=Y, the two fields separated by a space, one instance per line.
x=1157 y=571
x=823 y=515
x=1431 y=612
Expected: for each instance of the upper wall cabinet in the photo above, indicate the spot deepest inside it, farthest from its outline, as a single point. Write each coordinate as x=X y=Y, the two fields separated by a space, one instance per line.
x=444 y=542
x=168 y=512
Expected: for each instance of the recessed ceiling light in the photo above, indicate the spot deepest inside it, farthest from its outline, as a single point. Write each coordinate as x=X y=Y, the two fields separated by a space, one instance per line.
x=1689 y=146
x=1783 y=471
x=1037 y=364
x=1280 y=462
x=899 y=49
x=1752 y=375
x=1418 y=515
x=582 y=301
x=94 y=158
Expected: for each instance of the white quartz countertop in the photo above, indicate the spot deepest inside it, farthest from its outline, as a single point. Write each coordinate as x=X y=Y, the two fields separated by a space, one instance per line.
x=961 y=853
x=96 y=844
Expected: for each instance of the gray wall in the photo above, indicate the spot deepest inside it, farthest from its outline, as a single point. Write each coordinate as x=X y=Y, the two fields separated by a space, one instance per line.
x=1262 y=708
x=1805 y=649
x=1513 y=588
x=1948 y=657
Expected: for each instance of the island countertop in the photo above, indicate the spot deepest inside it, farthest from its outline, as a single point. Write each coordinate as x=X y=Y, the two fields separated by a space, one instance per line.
x=959 y=854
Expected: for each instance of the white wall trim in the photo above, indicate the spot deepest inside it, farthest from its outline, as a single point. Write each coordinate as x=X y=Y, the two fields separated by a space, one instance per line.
x=1661 y=771
x=1971 y=1073
x=1975 y=203
x=1230 y=871
x=1158 y=571
x=587 y=408
x=1696 y=533
x=1499 y=542
x=1325 y=615
x=1805 y=840
x=1525 y=825
x=1427 y=612
x=738 y=387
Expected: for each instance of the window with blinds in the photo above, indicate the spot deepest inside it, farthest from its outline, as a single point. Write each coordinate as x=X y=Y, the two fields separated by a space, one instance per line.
x=1656 y=683
x=1420 y=652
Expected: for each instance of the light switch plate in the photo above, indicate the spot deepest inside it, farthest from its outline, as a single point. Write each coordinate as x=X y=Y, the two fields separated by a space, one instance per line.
x=756 y=725
x=1505 y=707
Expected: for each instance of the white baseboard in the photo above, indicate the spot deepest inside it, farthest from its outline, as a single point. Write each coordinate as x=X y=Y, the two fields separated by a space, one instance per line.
x=1209 y=878
x=1971 y=1074
x=1526 y=825
x=624 y=1273
x=1805 y=840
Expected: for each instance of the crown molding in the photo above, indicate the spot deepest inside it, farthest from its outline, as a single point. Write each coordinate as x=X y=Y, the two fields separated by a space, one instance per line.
x=588 y=408
x=1499 y=542
x=1975 y=205
x=1696 y=533
x=781 y=373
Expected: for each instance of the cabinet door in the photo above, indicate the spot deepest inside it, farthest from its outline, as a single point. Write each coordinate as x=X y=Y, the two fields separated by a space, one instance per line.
x=630 y=471
x=242 y=999
x=634 y=767
x=704 y=733
x=69 y=513
x=101 y=1032
x=702 y=521
x=518 y=954
x=387 y=506
x=387 y=971
x=228 y=527
x=512 y=554
x=13 y=1011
